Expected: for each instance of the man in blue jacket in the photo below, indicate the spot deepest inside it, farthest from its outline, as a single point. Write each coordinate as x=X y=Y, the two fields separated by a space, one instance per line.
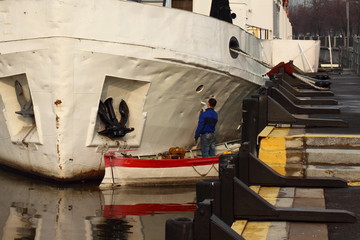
x=206 y=129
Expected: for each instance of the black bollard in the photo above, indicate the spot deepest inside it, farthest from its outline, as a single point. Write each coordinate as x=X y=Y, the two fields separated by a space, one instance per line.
x=179 y=229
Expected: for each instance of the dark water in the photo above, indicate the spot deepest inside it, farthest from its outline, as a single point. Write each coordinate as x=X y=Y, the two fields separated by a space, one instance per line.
x=32 y=209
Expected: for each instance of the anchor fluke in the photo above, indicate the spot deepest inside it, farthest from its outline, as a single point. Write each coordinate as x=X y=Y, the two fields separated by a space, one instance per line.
x=26 y=106
x=113 y=127
x=124 y=112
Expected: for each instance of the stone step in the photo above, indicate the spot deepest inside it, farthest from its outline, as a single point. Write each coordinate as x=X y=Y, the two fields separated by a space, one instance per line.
x=294 y=153
x=298 y=138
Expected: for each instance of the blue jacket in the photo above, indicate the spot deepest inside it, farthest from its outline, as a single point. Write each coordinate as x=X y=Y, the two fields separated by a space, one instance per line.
x=207 y=122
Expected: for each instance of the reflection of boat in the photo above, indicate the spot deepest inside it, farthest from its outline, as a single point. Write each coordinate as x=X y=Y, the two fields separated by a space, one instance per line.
x=34 y=210
x=146 y=209
x=127 y=201
x=64 y=63
x=178 y=168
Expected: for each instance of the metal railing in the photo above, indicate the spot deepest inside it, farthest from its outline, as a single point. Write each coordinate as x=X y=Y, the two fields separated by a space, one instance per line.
x=327 y=41
x=350 y=57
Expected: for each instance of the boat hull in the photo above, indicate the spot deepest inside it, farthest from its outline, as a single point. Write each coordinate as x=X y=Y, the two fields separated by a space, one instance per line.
x=121 y=171
x=69 y=56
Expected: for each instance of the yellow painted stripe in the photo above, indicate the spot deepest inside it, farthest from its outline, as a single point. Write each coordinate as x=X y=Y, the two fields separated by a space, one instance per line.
x=271 y=131
x=255 y=188
x=354 y=184
x=323 y=135
x=239 y=226
x=273 y=145
x=265 y=132
x=257 y=230
x=270 y=194
x=279 y=132
x=273 y=152
x=273 y=149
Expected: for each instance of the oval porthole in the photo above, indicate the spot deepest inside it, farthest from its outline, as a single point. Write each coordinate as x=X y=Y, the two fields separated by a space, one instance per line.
x=199 y=88
x=234 y=47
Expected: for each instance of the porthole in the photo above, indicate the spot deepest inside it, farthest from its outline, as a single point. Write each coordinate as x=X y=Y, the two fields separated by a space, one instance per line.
x=234 y=47
x=199 y=88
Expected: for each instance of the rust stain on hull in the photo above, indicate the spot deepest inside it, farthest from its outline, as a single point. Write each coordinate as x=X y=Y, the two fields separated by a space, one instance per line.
x=58 y=102
x=57 y=121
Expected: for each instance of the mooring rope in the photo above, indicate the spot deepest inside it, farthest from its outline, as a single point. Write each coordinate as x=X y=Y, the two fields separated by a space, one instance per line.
x=251 y=57
x=217 y=170
x=302 y=78
x=309 y=81
x=203 y=175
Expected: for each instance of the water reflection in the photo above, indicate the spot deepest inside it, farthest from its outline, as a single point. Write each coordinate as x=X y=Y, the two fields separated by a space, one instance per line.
x=31 y=209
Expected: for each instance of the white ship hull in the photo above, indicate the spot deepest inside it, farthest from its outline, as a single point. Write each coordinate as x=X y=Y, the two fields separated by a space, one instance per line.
x=69 y=55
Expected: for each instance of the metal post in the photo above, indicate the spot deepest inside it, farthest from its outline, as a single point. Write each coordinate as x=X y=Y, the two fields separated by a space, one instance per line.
x=348 y=24
x=330 y=52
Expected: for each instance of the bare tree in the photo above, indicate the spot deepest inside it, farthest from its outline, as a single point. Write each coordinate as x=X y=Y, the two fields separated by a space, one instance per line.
x=323 y=17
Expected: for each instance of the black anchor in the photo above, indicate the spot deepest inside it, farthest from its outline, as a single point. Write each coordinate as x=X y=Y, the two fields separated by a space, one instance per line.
x=114 y=128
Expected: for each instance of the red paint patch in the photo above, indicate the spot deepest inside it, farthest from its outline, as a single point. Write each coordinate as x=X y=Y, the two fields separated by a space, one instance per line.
x=118 y=211
x=111 y=161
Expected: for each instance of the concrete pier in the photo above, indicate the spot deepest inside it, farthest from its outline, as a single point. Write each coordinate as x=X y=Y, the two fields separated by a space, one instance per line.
x=319 y=152
x=309 y=152
x=290 y=179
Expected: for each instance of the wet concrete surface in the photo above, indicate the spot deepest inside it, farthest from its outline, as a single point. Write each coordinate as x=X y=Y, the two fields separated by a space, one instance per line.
x=346 y=89
x=345 y=199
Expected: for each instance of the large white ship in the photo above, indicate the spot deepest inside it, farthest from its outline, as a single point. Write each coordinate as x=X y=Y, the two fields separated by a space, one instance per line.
x=154 y=63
